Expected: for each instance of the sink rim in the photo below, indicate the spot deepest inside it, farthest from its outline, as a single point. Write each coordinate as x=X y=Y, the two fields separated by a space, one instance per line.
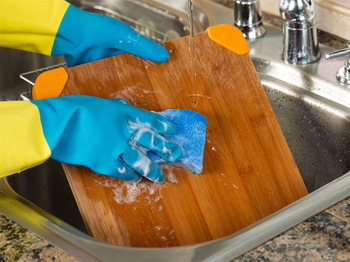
x=85 y=247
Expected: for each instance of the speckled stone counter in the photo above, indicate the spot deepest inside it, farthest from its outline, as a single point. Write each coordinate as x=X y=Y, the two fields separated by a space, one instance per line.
x=324 y=237
x=19 y=244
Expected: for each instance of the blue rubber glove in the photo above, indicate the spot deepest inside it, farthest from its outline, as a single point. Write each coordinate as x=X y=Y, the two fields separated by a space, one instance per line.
x=107 y=135
x=85 y=37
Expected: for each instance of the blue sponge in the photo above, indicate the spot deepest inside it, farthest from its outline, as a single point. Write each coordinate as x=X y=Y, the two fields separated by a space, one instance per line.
x=190 y=136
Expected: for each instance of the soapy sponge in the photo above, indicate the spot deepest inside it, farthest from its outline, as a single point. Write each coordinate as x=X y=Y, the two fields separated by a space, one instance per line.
x=190 y=136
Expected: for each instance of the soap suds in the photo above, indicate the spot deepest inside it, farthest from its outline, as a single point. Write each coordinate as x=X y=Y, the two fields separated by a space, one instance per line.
x=130 y=92
x=143 y=163
x=121 y=170
x=127 y=93
x=171 y=177
x=164 y=124
x=164 y=238
x=148 y=63
x=144 y=129
x=125 y=192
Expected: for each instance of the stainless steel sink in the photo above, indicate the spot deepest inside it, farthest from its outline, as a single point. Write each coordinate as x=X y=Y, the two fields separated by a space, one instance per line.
x=312 y=109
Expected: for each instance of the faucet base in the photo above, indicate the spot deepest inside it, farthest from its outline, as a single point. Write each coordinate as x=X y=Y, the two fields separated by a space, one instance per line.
x=300 y=46
x=252 y=32
x=343 y=74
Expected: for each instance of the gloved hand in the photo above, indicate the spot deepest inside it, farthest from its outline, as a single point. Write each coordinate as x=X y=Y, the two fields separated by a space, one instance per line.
x=84 y=37
x=107 y=135
x=56 y=27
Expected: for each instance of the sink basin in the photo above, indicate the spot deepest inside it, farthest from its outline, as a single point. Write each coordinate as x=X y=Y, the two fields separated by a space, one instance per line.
x=312 y=108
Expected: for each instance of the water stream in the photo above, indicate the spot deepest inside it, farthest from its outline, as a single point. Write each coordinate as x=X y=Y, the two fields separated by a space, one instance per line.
x=191 y=48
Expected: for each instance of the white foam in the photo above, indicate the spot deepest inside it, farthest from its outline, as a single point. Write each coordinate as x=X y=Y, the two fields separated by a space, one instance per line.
x=164 y=124
x=130 y=92
x=143 y=163
x=142 y=129
x=127 y=192
x=139 y=125
x=121 y=170
x=164 y=238
x=127 y=93
x=157 y=198
x=171 y=177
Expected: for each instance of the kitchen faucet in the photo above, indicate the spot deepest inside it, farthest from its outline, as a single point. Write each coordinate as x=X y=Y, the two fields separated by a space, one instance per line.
x=300 y=44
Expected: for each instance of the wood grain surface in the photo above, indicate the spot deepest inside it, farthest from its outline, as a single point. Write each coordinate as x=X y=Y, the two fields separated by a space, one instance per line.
x=248 y=172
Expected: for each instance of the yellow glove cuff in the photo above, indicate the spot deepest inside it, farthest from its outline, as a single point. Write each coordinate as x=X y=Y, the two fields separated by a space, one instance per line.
x=30 y=25
x=22 y=141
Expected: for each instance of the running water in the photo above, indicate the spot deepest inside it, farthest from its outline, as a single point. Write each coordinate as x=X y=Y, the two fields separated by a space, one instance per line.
x=194 y=94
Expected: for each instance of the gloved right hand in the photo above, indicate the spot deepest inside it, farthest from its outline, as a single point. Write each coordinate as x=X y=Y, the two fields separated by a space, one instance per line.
x=106 y=135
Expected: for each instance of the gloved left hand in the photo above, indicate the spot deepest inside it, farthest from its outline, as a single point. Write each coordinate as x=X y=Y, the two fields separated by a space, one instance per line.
x=106 y=135
x=55 y=27
x=84 y=37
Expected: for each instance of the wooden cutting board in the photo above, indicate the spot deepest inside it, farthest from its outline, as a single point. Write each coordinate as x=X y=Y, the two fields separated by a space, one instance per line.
x=248 y=172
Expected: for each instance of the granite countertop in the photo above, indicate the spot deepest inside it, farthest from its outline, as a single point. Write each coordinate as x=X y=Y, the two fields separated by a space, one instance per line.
x=323 y=237
x=20 y=244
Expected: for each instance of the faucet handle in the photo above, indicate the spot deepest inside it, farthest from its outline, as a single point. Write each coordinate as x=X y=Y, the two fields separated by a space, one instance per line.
x=343 y=74
x=339 y=53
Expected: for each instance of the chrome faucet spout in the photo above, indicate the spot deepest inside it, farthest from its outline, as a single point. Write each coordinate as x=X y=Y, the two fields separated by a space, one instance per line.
x=300 y=44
